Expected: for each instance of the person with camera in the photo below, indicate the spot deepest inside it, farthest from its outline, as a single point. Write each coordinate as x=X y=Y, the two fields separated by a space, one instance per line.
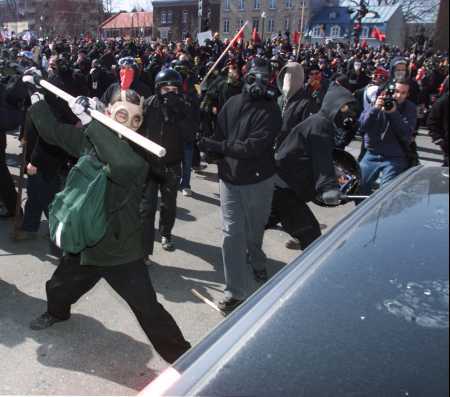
x=244 y=139
x=388 y=130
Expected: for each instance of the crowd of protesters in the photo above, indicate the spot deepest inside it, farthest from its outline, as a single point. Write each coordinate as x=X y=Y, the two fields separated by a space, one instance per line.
x=270 y=116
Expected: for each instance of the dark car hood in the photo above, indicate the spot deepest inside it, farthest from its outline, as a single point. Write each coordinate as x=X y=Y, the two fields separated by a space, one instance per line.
x=364 y=312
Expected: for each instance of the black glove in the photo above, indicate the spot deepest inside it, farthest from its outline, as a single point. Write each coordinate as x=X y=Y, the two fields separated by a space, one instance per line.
x=332 y=197
x=211 y=146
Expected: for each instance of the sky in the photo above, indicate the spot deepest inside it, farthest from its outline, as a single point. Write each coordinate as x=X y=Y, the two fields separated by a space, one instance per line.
x=129 y=4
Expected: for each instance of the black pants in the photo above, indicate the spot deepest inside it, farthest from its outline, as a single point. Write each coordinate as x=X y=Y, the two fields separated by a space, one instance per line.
x=295 y=217
x=8 y=194
x=168 y=185
x=132 y=282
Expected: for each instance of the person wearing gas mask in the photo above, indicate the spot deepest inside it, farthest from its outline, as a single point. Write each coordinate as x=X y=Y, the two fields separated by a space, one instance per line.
x=118 y=257
x=305 y=165
x=388 y=130
x=357 y=76
x=316 y=88
x=129 y=75
x=244 y=139
x=165 y=115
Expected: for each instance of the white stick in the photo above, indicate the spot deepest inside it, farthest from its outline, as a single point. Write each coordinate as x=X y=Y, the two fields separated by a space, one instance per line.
x=223 y=55
x=120 y=129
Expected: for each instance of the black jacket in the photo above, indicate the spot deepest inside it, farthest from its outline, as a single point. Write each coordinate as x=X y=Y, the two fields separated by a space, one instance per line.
x=48 y=159
x=171 y=133
x=305 y=159
x=294 y=111
x=247 y=130
x=438 y=122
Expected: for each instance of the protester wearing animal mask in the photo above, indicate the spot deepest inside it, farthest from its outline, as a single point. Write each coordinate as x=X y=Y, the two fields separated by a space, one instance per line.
x=118 y=257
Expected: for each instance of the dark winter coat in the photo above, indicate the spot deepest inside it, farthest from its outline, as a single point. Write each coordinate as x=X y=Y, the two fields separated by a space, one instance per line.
x=305 y=159
x=438 y=122
x=247 y=130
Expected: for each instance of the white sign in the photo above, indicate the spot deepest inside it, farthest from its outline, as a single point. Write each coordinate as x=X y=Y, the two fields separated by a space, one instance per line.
x=203 y=37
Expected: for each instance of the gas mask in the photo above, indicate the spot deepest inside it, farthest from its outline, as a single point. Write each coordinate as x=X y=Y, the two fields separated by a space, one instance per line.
x=126 y=78
x=347 y=120
x=127 y=113
x=257 y=85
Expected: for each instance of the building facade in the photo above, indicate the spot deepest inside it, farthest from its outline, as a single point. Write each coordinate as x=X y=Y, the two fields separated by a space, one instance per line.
x=173 y=20
x=53 y=17
x=128 y=24
x=268 y=17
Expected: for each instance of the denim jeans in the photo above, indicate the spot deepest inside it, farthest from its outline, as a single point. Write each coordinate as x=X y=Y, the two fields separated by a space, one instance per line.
x=374 y=165
x=245 y=212
x=187 y=166
x=41 y=192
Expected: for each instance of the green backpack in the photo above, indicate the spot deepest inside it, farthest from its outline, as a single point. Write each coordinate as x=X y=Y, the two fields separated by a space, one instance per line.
x=78 y=214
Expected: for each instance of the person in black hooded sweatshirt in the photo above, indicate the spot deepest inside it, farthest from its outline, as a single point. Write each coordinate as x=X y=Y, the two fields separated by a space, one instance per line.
x=305 y=165
x=245 y=136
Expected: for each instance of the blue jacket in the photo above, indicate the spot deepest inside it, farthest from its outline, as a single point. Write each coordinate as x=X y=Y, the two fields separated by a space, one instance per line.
x=379 y=129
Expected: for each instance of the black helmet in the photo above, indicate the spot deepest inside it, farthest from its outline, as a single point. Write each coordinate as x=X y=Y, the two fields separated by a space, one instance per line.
x=168 y=77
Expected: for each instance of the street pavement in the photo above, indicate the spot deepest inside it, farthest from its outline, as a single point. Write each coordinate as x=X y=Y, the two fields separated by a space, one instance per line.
x=102 y=350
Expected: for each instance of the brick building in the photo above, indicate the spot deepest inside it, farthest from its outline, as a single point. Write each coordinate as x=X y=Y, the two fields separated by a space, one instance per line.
x=269 y=17
x=174 y=19
x=54 y=17
x=128 y=24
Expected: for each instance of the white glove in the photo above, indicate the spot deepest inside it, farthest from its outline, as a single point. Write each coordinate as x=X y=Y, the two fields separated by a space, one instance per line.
x=79 y=108
x=36 y=97
x=332 y=197
x=32 y=76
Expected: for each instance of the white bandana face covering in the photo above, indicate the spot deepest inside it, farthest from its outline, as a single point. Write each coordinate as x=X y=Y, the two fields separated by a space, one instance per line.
x=127 y=113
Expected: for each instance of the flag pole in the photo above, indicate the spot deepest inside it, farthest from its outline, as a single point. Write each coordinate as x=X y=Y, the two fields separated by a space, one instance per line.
x=203 y=83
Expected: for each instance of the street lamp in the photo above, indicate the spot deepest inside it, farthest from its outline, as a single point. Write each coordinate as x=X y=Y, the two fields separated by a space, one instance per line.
x=263 y=16
x=41 y=29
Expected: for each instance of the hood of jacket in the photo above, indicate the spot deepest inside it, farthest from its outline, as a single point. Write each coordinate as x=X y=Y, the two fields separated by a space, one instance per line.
x=297 y=81
x=336 y=97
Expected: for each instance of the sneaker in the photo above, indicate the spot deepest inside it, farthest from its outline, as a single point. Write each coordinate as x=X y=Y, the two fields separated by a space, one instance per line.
x=294 y=244
x=229 y=304
x=187 y=192
x=167 y=244
x=22 y=235
x=44 y=321
x=261 y=276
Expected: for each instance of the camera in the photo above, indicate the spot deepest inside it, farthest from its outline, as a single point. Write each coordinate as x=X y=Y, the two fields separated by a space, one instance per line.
x=389 y=101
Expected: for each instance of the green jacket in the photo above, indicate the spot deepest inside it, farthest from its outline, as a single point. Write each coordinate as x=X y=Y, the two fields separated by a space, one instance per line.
x=123 y=242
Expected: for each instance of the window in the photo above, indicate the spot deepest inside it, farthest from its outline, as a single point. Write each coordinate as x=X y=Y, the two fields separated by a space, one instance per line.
x=257 y=4
x=271 y=25
x=333 y=15
x=336 y=31
x=289 y=4
x=164 y=18
x=170 y=17
x=365 y=32
x=242 y=5
x=185 y=16
x=287 y=24
x=317 y=31
x=226 y=26
x=272 y=4
x=227 y=5
x=256 y=24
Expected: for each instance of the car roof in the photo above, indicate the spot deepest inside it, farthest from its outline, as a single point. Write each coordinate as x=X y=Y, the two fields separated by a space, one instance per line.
x=363 y=312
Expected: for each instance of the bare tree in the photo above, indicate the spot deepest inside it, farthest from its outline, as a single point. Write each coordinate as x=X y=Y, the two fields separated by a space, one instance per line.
x=413 y=10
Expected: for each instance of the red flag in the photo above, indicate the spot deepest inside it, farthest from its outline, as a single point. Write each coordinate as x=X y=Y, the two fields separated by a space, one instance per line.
x=255 y=37
x=296 y=38
x=365 y=44
x=240 y=39
x=378 y=35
